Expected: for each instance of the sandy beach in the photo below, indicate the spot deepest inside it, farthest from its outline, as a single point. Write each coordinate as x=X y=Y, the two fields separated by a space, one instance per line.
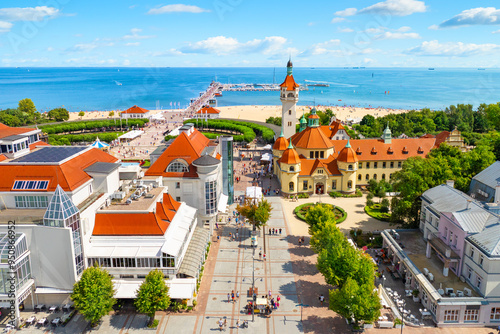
x=261 y=113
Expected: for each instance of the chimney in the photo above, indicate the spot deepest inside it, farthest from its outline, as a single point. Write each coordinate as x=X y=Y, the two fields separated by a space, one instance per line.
x=468 y=203
x=497 y=193
x=450 y=183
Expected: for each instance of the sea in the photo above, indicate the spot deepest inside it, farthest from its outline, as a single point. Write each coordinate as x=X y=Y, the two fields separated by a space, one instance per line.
x=104 y=89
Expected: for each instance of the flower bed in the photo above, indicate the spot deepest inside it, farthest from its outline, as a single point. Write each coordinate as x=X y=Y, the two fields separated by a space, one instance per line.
x=301 y=211
x=374 y=212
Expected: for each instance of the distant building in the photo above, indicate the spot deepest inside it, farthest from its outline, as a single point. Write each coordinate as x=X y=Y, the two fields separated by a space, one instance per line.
x=16 y=142
x=485 y=186
x=207 y=113
x=135 y=112
x=289 y=96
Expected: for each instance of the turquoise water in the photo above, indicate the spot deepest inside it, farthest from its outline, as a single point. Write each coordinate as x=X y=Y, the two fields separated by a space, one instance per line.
x=119 y=88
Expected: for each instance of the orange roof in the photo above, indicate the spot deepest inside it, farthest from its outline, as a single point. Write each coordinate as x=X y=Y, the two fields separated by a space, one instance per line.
x=332 y=129
x=313 y=116
x=280 y=144
x=289 y=83
x=188 y=148
x=218 y=156
x=135 y=110
x=3 y=157
x=208 y=110
x=69 y=175
x=308 y=166
x=6 y=131
x=363 y=148
x=347 y=154
x=311 y=137
x=37 y=144
x=150 y=223
x=290 y=156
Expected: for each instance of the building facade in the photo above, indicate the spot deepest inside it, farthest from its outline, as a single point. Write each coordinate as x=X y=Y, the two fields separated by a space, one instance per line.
x=289 y=96
x=135 y=112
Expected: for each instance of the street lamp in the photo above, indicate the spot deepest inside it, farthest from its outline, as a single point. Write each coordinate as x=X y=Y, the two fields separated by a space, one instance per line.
x=403 y=304
x=383 y=280
x=253 y=284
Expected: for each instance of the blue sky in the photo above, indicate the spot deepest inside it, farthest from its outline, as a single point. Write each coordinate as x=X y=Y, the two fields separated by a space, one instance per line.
x=116 y=33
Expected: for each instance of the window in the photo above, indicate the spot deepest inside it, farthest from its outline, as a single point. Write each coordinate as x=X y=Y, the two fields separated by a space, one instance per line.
x=469 y=273
x=359 y=177
x=289 y=123
x=451 y=316
x=367 y=165
x=210 y=197
x=311 y=155
x=304 y=185
x=495 y=314
x=471 y=315
x=481 y=260
x=30 y=185
x=472 y=252
x=375 y=165
x=289 y=112
x=445 y=233
x=399 y=164
x=374 y=176
x=360 y=165
x=390 y=176
x=316 y=154
x=321 y=154
x=479 y=280
x=392 y=164
x=177 y=185
x=291 y=186
x=334 y=184
x=320 y=171
x=292 y=169
x=367 y=177
x=349 y=184
x=178 y=199
x=350 y=167
x=177 y=167
x=31 y=201
x=383 y=164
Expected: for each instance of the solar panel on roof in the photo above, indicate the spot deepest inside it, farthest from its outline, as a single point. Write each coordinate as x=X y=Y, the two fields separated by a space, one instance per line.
x=30 y=185
x=51 y=154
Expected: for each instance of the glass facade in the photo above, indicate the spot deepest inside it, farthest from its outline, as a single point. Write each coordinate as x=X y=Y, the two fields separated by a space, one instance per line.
x=31 y=201
x=13 y=253
x=166 y=261
x=61 y=212
x=210 y=197
x=227 y=168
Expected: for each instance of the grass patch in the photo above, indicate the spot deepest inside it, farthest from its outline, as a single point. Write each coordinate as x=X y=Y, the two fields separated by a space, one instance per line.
x=335 y=194
x=374 y=211
x=301 y=211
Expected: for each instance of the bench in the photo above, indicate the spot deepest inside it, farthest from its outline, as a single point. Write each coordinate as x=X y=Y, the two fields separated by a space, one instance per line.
x=385 y=324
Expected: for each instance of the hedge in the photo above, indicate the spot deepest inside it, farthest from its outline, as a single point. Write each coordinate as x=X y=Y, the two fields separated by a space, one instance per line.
x=59 y=140
x=335 y=194
x=303 y=218
x=247 y=129
x=374 y=212
x=90 y=125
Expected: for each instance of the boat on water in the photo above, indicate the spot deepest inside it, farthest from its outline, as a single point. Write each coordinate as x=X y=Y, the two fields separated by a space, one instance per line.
x=318 y=85
x=431 y=68
x=218 y=94
x=481 y=69
x=118 y=83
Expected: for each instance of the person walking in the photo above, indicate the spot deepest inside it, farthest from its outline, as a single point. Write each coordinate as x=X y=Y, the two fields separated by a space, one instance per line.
x=269 y=294
x=232 y=296
x=260 y=255
x=264 y=256
x=228 y=297
x=221 y=323
x=321 y=299
x=280 y=231
x=237 y=295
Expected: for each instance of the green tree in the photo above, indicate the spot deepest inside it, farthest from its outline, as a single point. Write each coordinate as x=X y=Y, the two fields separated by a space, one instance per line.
x=27 y=106
x=356 y=301
x=257 y=213
x=111 y=113
x=81 y=114
x=59 y=114
x=93 y=294
x=152 y=295
x=318 y=214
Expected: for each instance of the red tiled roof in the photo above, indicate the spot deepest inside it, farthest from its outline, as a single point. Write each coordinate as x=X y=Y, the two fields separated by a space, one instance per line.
x=290 y=156
x=311 y=137
x=308 y=166
x=150 y=223
x=208 y=110
x=364 y=148
x=289 y=83
x=135 y=110
x=347 y=154
x=3 y=157
x=332 y=129
x=69 y=175
x=280 y=144
x=188 y=148
x=37 y=144
x=6 y=131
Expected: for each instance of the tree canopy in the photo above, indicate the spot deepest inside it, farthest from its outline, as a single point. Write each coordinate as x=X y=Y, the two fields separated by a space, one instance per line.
x=152 y=295
x=58 y=114
x=27 y=106
x=257 y=213
x=93 y=294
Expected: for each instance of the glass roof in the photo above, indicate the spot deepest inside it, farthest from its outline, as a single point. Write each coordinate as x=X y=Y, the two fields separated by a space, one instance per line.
x=60 y=207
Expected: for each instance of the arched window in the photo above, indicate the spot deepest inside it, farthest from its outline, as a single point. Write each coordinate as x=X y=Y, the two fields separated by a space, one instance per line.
x=383 y=176
x=367 y=177
x=291 y=186
x=374 y=176
x=292 y=169
x=349 y=184
x=359 y=177
x=289 y=112
x=177 y=166
x=350 y=167
x=290 y=94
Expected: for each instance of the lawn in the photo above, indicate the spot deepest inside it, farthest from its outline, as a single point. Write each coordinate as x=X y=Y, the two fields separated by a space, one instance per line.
x=301 y=211
x=374 y=211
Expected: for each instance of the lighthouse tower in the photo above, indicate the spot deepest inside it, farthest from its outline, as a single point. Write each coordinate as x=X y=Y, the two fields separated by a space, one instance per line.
x=289 y=95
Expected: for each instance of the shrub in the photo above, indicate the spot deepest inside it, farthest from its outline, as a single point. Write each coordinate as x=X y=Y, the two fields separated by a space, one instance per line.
x=303 y=195
x=154 y=324
x=369 y=202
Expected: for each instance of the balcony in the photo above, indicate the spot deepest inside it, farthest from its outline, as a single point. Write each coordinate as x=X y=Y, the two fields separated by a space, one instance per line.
x=442 y=248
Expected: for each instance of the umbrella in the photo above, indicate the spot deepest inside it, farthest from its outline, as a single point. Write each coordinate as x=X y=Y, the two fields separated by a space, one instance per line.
x=99 y=144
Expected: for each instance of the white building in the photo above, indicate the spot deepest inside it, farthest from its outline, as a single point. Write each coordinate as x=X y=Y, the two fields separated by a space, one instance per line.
x=16 y=142
x=289 y=96
x=207 y=113
x=135 y=112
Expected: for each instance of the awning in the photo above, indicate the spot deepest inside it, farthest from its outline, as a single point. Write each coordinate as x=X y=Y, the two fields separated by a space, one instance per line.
x=51 y=290
x=195 y=254
x=266 y=157
x=182 y=288
x=131 y=134
x=222 y=206
x=267 y=147
x=126 y=289
x=254 y=193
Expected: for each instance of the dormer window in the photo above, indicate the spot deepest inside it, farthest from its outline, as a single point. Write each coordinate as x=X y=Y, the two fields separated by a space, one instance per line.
x=390 y=151
x=177 y=166
x=420 y=150
x=350 y=167
x=292 y=169
x=358 y=151
x=374 y=151
x=405 y=150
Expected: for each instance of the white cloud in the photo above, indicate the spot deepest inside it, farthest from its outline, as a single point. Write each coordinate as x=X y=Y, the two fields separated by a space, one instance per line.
x=474 y=16
x=171 y=52
x=404 y=29
x=322 y=48
x=133 y=44
x=338 y=19
x=346 y=30
x=398 y=35
x=346 y=12
x=496 y=32
x=434 y=27
x=50 y=49
x=87 y=47
x=5 y=26
x=134 y=34
x=28 y=13
x=222 y=45
x=452 y=49
x=126 y=62
x=177 y=8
